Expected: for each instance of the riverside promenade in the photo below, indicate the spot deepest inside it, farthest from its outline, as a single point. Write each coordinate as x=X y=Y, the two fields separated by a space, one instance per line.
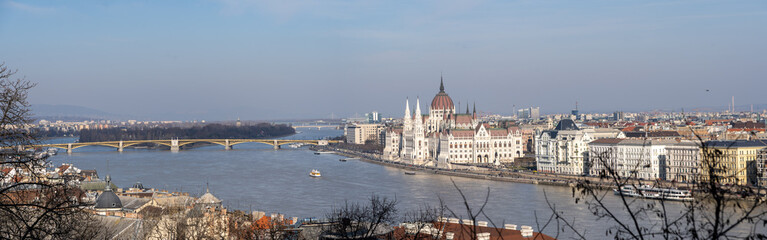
x=505 y=175
x=474 y=172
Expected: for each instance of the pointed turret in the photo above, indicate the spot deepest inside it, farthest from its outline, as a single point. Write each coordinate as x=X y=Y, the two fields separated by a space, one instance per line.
x=418 y=116
x=475 y=110
x=407 y=108
x=441 y=84
x=467 y=108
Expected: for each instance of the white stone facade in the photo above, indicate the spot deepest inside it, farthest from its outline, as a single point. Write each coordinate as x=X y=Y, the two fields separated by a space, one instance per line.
x=444 y=137
x=683 y=162
x=643 y=159
x=565 y=149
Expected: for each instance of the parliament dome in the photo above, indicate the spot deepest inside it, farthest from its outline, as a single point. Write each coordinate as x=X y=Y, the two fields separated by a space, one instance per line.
x=442 y=100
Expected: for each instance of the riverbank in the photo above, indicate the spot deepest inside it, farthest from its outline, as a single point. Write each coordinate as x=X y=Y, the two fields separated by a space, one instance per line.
x=502 y=175
x=494 y=175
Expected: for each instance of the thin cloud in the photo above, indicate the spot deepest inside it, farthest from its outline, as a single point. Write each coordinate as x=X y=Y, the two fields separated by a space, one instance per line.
x=709 y=16
x=282 y=10
x=29 y=8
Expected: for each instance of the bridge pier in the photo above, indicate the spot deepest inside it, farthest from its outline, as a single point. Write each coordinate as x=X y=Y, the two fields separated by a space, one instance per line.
x=227 y=146
x=276 y=146
x=120 y=146
x=174 y=145
x=69 y=148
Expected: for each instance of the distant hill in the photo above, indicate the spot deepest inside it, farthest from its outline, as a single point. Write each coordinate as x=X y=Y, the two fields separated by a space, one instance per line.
x=70 y=113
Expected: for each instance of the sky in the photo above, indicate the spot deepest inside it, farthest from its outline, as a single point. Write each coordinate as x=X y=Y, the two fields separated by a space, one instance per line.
x=260 y=60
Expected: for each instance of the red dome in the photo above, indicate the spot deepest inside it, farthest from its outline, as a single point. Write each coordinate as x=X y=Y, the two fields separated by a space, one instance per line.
x=442 y=101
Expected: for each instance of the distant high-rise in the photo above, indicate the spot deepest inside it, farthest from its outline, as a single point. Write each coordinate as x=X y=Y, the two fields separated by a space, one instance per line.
x=373 y=117
x=575 y=112
x=529 y=113
x=618 y=115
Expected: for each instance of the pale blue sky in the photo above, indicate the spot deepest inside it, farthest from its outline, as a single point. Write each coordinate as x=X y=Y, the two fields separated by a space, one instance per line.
x=222 y=59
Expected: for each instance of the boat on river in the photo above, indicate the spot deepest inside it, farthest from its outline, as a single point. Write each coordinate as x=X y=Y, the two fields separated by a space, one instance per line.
x=315 y=173
x=647 y=191
x=409 y=172
x=323 y=152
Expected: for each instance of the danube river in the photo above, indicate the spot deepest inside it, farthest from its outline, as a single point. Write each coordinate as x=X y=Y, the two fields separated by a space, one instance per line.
x=253 y=176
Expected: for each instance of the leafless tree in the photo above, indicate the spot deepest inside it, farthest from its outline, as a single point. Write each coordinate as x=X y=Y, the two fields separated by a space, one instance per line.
x=422 y=223
x=717 y=211
x=32 y=206
x=362 y=221
x=183 y=222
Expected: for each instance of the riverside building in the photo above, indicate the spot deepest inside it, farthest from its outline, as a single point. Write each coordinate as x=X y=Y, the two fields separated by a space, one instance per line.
x=444 y=137
x=734 y=161
x=647 y=159
x=359 y=133
x=564 y=150
x=683 y=162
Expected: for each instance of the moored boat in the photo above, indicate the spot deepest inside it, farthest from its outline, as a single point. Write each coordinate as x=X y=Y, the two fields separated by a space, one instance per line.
x=410 y=172
x=647 y=191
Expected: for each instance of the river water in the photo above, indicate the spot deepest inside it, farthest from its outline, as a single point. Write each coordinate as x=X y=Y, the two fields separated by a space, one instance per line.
x=254 y=176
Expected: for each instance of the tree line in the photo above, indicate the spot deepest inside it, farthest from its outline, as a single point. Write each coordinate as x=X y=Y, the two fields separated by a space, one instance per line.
x=209 y=131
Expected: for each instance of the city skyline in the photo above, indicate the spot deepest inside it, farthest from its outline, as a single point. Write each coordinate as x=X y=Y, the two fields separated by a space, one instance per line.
x=219 y=60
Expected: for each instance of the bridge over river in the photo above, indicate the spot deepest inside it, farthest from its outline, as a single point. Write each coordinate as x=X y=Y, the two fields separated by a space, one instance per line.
x=175 y=144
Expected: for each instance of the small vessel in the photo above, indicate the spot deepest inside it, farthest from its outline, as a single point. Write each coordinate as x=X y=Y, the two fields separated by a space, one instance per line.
x=409 y=172
x=315 y=173
x=647 y=191
x=323 y=152
x=342 y=159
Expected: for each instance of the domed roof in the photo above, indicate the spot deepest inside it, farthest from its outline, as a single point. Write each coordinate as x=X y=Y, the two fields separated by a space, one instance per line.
x=108 y=200
x=442 y=100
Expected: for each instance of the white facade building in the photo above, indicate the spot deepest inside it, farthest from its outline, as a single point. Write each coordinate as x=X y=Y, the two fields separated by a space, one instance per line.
x=644 y=159
x=358 y=133
x=444 y=137
x=683 y=161
x=564 y=150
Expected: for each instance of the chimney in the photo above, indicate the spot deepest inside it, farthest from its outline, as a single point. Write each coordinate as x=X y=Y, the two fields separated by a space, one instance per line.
x=483 y=236
x=527 y=231
x=468 y=222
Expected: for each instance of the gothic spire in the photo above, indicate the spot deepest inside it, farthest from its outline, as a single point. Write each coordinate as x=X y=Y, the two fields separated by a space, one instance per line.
x=475 y=107
x=418 y=108
x=467 y=107
x=407 y=108
x=441 y=84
